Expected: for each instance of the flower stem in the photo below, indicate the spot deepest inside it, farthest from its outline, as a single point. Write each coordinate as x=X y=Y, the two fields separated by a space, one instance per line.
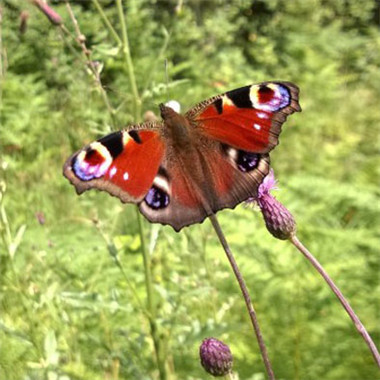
x=147 y=267
x=90 y=64
x=247 y=298
x=107 y=22
x=128 y=61
x=157 y=342
x=2 y=66
x=158 y=349
x=359 y=326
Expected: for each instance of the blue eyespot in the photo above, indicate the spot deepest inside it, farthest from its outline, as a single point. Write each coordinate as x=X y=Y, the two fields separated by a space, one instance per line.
x=157 y=198
x=247 y=161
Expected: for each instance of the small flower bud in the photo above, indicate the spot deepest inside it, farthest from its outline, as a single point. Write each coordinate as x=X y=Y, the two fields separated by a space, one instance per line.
x=52 y=15
x=279 y=221
x=81 y=38
x=96 y=66
x=216 y=357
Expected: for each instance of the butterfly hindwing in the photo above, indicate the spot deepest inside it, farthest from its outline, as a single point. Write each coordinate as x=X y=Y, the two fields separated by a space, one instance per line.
x=248 y=118
x=123 y=163
x=220 y=177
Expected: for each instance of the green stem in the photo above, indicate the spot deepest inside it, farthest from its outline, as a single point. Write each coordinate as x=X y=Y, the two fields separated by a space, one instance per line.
x=1 y=46
x=113 y=253
x=3 y=58
x=147 y=266
x=150 y=303
x=128 y=62
x=230 y=376
x=89 y=63
x=157 y=61
x=107 y=23
x=5 y=231
x=246 y=296
x=355 y=319
x=158 y=349
x=11 y=247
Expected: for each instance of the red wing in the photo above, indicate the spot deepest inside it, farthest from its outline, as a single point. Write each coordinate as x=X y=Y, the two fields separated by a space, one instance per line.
x=186 y=191
x=248 y=118
x=123 y=163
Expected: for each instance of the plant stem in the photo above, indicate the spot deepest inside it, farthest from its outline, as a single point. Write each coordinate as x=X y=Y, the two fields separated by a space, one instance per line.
x=147 y=268
x=113 y=253
x=80 y=38
x=359 y=326
x=150 y=304
x=11 y=245
x=128 y=61
x=1 y=52
x=158 y=349
x=107 y=22
x=3 y=56
x=247 y=298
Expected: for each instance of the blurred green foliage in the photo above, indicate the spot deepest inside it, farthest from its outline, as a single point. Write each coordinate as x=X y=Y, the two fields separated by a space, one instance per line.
x=69 y=312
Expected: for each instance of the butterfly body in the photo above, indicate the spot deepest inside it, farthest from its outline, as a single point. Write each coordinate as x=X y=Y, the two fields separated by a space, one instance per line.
x=177 y=128
x=187 y=167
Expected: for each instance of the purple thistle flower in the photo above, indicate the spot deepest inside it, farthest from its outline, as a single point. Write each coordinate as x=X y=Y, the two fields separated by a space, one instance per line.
x=279 y=221
x=216 y=357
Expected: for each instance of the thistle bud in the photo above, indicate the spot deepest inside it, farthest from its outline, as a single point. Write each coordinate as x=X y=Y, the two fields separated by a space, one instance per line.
x=52 y=15
x=279 y=221
x=216 y=357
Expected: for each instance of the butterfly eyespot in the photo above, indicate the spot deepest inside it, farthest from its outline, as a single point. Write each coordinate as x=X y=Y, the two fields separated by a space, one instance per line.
x=93 y=157
x=156 y=198
x=265 y=92
x=92 y=162
x=247 y=161
x=269 y=97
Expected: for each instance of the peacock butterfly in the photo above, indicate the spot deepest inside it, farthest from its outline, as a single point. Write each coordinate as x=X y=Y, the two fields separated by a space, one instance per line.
x=184 y=168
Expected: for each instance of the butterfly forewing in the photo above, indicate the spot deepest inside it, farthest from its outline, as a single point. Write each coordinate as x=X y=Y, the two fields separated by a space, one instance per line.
x=248 y=118
x=123 y=163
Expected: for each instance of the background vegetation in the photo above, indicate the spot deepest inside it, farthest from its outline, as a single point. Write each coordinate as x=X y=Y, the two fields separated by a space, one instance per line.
x=73 y=286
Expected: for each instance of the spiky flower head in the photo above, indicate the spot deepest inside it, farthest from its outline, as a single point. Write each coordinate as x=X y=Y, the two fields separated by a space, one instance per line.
x=216 y=357
x=279 y=221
